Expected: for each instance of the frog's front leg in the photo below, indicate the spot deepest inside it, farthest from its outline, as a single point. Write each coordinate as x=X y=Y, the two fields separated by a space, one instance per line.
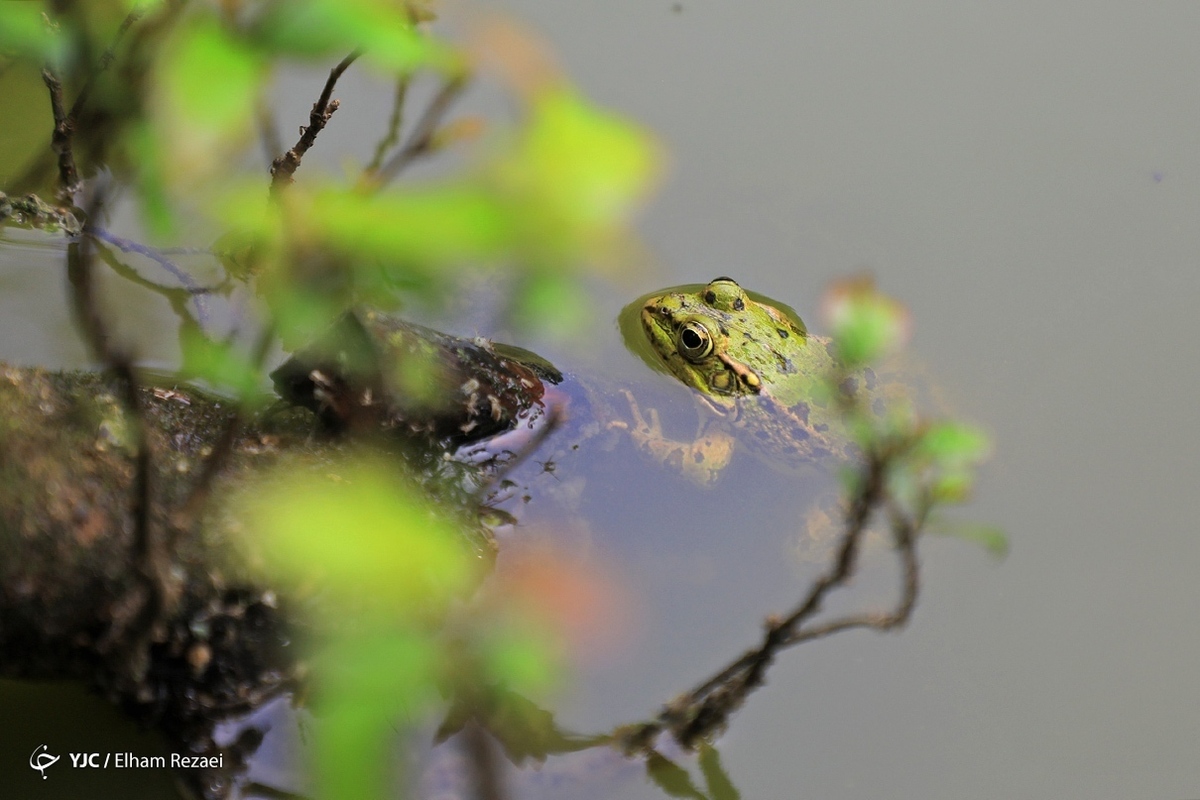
x=700 y=461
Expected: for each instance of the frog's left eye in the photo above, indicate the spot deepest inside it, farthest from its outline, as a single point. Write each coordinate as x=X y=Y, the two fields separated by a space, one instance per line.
x=693 y=341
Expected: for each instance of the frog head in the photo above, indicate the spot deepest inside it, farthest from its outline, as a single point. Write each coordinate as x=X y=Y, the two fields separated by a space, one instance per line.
x=721 y=342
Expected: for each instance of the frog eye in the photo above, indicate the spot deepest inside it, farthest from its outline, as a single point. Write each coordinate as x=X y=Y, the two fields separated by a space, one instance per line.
x=693 y=341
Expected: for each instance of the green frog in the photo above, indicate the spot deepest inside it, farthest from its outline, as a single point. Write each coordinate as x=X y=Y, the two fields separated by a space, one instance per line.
x=757 y=370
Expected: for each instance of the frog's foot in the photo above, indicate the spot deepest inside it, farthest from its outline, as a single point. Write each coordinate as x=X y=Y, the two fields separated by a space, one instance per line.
x=700 y=461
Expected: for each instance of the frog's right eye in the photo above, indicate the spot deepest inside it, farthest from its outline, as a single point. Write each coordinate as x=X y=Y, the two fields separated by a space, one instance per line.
x=694 y=341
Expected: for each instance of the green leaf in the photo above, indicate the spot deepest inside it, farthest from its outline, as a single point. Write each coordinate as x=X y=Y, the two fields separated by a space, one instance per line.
x=575 y=177
x=363 y=534
x=368 y=688
x=990 y=537
x=424 y=230
x=212 y=77
x=207 y=87
x=866 y=324
x=522 y=728
x=219 y=363
x=671 y=778
x=552 y=302
x=332 y=28
x=954 y=486
x=586 y=159
x=520 y=659
x=720 y=787
x=953 y=442
x=155 y=205
x=25 y=33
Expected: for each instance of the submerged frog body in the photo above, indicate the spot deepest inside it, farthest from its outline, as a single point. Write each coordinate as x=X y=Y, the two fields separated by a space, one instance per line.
x=755 y=367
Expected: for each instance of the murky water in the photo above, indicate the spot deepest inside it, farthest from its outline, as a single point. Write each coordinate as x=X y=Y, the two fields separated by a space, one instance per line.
x=1027 y=179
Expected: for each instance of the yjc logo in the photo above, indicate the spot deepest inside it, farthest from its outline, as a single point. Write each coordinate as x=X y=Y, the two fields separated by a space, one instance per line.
x=43 y=760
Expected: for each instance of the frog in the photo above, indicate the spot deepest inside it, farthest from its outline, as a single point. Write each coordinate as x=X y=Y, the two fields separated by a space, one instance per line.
x=759 y=376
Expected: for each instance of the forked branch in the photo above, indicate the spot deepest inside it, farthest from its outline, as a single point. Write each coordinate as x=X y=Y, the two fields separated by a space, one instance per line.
x=706 y=708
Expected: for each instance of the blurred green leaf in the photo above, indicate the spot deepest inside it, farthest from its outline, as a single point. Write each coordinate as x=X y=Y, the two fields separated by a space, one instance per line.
x=905 y=485
x=552 y=302
x=382 y=29
x=157 y=211
x=298 y=312
x=953 y=442
x=720 y=787
x=25 y=33
x=851 y=479
x=575 y=177
x=954 y=486
x=990 y=537
x=671 y=778
x=584 y=158
x=423 y=229
x=560 y=195
x=207 y=87
x=219 y=363
x=364 y=535
x=866 y=324
x=366 y=686
x=212 y=77
x=523 y=729
x=520 y=659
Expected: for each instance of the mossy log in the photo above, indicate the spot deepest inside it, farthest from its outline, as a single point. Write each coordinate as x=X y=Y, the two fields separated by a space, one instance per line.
x=72 y=590
x=75 y=598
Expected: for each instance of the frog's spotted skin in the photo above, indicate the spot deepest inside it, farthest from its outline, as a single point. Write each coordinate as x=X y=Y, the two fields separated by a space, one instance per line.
x=754 y=365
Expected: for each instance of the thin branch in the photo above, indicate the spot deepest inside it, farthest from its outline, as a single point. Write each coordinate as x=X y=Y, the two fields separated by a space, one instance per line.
x=420 y=141
x=60 y=140
x=392 y=135
x=904 y=533
x=268 y=132
x=486 y=771
x=66 y=121
x=707 y=707
x=283 y=167
x=841 y=571
x=148 y=551
x=106 y=59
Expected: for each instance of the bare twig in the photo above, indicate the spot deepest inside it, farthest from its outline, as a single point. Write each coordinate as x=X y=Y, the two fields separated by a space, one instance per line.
x=38 y=169
x=421 y=139
x=904 y=531
x=706 y=707
x=392 y=135
x=65 y=121
x=106 y=59
x=283 y=167
x=268 y=132
x=148 y=550
x=60 y=141
x=485 y=766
